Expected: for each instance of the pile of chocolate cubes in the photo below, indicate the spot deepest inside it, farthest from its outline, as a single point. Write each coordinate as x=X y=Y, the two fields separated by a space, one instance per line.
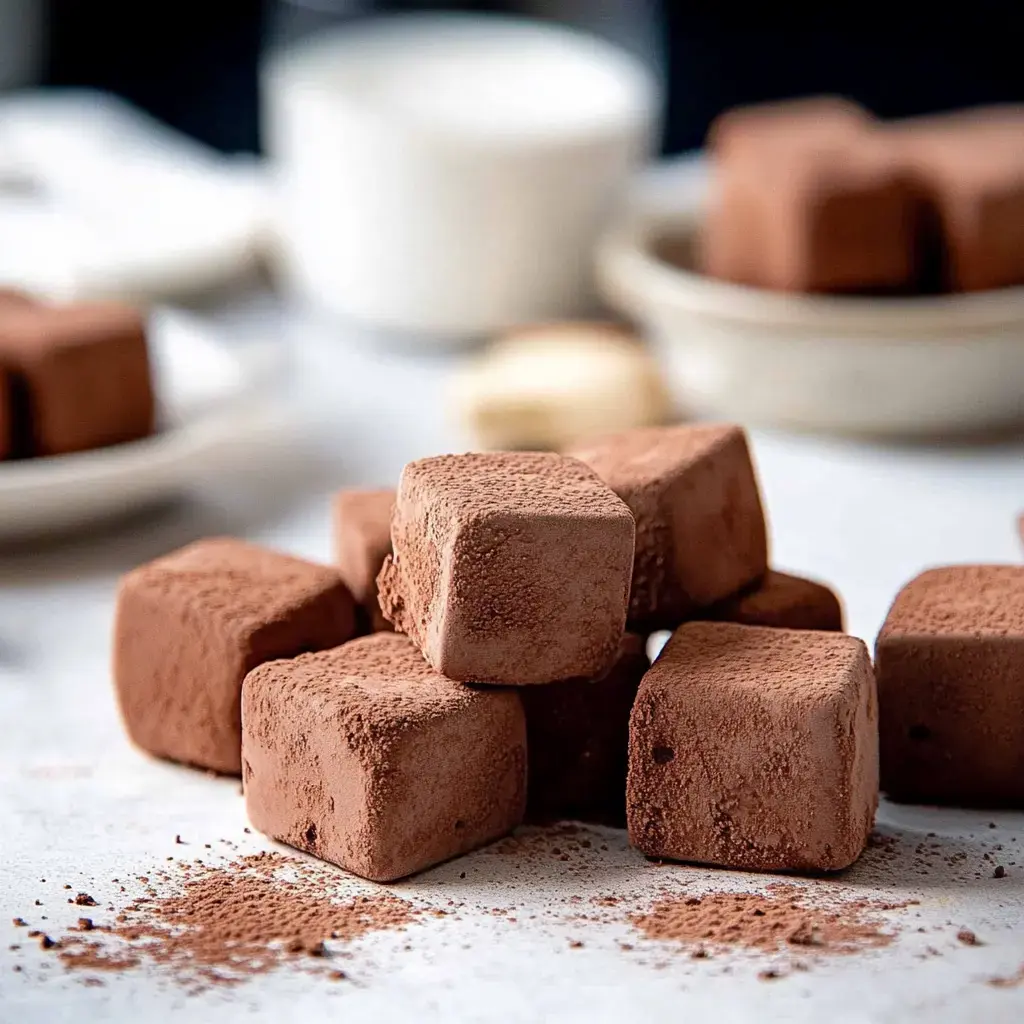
x=818 y=196
x=505 y=602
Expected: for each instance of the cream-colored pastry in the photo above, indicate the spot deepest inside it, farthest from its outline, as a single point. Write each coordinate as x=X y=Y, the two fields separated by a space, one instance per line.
x=551 y=385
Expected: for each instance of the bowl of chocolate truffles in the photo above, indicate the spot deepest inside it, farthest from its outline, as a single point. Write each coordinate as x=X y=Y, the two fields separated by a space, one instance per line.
x=843 y=273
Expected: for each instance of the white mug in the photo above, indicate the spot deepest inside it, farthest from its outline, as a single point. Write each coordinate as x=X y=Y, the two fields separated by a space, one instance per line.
x=447 y=175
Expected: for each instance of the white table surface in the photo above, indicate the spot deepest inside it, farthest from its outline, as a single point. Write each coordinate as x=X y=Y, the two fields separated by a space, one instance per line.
x=78 y=804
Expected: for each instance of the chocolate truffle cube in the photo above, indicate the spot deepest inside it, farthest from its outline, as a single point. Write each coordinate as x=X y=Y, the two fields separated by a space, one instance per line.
x=797 y=215
x=780 y=600
x=577 y=736
x=81 y=376
x=755 y=748
x=362 y=540
x=970 y=169
x=950 y=663
x=509 y=567
x=366 y=757
x=808 y=119
x=700 y=530
x=188 y=628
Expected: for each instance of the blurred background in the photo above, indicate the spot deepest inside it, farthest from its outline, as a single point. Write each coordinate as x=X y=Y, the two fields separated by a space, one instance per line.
x=195 y=65
x=481 y=225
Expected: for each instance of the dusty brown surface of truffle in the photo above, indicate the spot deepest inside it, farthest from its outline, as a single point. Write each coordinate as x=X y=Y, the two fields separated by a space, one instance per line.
x=189 y=626
x=366 y=757
x=362 y=540
x=509 y=567
x=577 y=737
x=81 y=376
x=969 y=166
x=815 y=117
x=798 y=215
x=755 y=748
x=700 y=529
x=781 y=600
x=950 y=663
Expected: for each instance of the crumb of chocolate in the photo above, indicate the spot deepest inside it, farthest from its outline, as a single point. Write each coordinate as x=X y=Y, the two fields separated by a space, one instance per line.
x=20 y=922
x=85 y=924
x=248 y=831
x=67 y=886
x=337 y=975
x=83 y=899
x=45 y=942
x=769 y=975
x=999 y=872
x=462 y=874
x=575 y=944
x=39 y=903
x=967 y=937
x=180 y=841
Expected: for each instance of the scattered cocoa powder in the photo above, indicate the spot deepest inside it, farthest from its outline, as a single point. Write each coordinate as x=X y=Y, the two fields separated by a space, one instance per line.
x=783 y=917
x=222 y=924
x=1011 y=981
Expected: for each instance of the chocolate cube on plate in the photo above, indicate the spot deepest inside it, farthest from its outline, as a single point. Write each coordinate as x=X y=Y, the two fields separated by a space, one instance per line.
x=366 y=757
x=188 y=628
x=969 y=167
x=755 y=748
x=80 y=373
x=700 y=530
x=796 y=215
x=813 y=118
x=362 y=540
x=509 y=567
x=950 y=663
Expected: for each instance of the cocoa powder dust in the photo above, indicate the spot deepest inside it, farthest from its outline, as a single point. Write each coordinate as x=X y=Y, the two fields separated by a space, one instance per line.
x=219 y=925
x=781 y=918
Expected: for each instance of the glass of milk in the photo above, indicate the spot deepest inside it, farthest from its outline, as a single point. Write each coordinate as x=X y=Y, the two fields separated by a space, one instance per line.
x=446 y=176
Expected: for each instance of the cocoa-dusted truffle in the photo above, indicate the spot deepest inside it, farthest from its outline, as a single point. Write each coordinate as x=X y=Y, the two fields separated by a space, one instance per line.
x=190 y=625
x=969 y=167
x=789 y=602
x=81 y=375
x=950 y=663
x=577 y=733
x=700 y=530
x=366 y=757
x=755 y=748
x=813 y=118
x=509 y=567
x=838 y=214
x=362 y=540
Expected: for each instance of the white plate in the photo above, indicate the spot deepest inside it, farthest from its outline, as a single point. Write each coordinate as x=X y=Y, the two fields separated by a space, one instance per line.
x=211 y=408
x=99 y=200
x=899 y=366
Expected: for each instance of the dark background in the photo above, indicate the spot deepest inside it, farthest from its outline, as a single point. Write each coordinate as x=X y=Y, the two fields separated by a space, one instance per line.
x=194 y=64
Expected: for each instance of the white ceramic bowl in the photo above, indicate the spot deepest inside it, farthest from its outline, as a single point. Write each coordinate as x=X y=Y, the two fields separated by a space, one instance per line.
x=844 y=364
x=447 y=176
